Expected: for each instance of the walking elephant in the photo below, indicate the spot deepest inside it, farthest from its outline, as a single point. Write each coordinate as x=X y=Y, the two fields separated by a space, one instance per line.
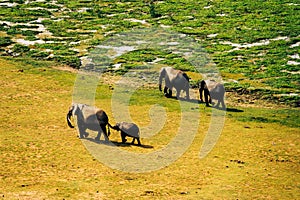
x=212 y=90
x=89 y=117
x=128 y=129
x=174 y=78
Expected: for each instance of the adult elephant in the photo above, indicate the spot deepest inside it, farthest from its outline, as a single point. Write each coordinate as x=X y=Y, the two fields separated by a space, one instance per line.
x=91 y=118
x=174 y=79
x=212 y=90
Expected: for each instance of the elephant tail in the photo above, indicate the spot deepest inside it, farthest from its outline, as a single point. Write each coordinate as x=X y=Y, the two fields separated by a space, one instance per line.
x=110 y=126
x=69 y=120
x=162 y=74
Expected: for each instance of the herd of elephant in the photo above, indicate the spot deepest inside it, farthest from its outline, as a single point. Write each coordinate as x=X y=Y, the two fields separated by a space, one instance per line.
x=95 y=119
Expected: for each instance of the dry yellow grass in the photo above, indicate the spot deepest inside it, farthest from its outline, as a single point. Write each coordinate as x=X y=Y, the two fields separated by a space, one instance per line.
x=41 y=157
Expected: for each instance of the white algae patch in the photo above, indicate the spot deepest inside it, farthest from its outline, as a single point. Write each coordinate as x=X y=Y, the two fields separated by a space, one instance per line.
x=255 y=44
x=290 y=62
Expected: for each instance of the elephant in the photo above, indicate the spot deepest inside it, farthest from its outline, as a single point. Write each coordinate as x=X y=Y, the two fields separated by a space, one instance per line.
x=89 y=117
x=174 y=78
x=212 y=90
x=128 y=129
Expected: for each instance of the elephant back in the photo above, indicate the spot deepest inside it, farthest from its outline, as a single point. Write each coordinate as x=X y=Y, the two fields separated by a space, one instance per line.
x=211 y=84
x=181 y=80
x=94 y=116
x=171 y=73
x=217 y=90
x=177 y=78
x=129 y=128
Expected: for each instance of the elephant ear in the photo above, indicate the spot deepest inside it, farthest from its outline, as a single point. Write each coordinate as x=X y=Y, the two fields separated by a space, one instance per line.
x=186 y=76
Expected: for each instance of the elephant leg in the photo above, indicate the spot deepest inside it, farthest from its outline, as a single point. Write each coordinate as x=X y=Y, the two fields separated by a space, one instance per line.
x=177 y=93
x=218 y=104
x=123 y=136
x=81 y=129
x=98 y=136
x=187 y=93
x=170 y=93
x=200 y=93
x=139 y=142
x=166 y=91
x=86 y=134
x=82 y=132
x=223 y=104
x=103 y=127
x=133 y=140
x=207 y=97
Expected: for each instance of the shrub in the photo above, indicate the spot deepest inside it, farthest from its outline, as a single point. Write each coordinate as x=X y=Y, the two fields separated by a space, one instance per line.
x=72 y=61
x=38 y=54
x=18 y=48
x=5 y=41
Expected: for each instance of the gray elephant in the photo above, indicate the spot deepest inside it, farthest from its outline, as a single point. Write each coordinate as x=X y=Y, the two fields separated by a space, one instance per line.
x=89 y=117
x=128 y=130
x=212 y=90
x=174 y=78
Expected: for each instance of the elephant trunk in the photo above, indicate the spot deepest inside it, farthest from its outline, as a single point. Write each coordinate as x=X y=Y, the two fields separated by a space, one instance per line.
x=108 y=129
x=114 y=127
x=109 y=125
x=161 y=75
x=69 y=120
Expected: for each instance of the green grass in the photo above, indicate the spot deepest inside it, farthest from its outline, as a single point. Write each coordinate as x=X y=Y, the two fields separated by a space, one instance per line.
x=256 y=156
x=285 y=117
x=240 y=22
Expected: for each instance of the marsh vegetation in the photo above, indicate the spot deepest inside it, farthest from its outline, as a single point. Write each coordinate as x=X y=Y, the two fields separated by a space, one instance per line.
x=254 y=45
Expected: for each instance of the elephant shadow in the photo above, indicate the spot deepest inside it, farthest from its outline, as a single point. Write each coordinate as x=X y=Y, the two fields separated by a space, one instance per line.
x=226 y=109
x=195 y=101
x=233 y=110
x=118 y=144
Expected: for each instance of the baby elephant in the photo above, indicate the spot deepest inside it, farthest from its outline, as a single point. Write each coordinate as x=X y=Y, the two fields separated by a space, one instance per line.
x=128 y=129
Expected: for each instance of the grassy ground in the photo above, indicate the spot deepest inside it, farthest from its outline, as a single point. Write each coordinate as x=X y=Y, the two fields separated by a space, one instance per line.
x=256 y=157
x=252 y=44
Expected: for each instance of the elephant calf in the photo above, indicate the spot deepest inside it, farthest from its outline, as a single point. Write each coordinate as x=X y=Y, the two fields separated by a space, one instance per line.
x=128 y=129
x=212 y=90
